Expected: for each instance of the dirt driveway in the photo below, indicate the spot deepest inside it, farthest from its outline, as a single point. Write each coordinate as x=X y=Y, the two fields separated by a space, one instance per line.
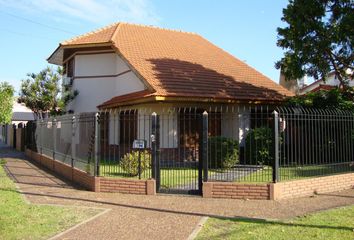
x=150 y=217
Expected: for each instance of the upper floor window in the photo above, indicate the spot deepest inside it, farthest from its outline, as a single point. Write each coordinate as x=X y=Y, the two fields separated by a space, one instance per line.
x=69 y=68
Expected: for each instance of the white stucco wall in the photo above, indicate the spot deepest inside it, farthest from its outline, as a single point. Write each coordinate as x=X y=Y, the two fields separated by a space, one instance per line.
x=95 y=90
x=168 y=126
x=330 y=81
x=234 y=125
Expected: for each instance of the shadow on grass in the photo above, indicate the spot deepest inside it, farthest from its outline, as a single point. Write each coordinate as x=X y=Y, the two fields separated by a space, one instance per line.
x=196 y=214
x=334 y=195
x=287 y=224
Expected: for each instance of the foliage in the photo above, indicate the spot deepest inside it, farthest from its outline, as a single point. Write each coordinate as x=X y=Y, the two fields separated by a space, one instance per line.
x=318 y=39
x=259 y=143
x=334 y=98
x=130 y=162
x=6 y=102
x=42 y=92
x=223 y=152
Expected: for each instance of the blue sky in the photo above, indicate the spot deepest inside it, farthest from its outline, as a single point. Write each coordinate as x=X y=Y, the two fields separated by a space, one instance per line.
x=32 y=29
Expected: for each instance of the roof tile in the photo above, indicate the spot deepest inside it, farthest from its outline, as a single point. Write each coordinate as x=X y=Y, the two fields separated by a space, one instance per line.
x=184 y=64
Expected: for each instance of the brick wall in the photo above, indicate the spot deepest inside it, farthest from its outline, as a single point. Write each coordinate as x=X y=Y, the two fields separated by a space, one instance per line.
x=47 y=162
x=63 y=169
x=236 y=190
x=127 y=186
x=92 y=183
x=81 y=178
x=308 y=187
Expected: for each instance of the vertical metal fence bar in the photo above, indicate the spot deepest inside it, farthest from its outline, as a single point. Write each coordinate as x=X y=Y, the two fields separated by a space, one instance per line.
x=54 y=126
x=41 y=136
x=205 y=146
x=97 y=145
x=276 y=147
x=73 y=145
x=155 y=145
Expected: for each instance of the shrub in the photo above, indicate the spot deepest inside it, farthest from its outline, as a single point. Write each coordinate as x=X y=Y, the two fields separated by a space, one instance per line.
x=258 y=149
x=130 y=162
x=223 y=152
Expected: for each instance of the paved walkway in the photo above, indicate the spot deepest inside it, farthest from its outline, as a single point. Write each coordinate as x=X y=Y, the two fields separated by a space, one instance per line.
x=150 y=217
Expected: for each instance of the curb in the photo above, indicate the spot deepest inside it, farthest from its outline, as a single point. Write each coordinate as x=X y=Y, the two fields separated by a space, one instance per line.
x=79 y=224
x=198 y=228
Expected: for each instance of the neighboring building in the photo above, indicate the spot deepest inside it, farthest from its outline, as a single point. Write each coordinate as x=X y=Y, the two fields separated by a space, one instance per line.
x=21 y=113
x=330 y=83
x=139 y=67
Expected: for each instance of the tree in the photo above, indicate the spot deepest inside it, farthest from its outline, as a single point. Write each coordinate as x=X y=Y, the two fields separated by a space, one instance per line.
x=325 y=99
x=42 y=93
x=6 y=102
x=318 y=39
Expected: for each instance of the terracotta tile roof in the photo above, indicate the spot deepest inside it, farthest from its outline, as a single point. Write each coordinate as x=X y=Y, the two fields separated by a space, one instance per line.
x=184 y=64
x=125 y=98
x=322 y=87
x=101 y=35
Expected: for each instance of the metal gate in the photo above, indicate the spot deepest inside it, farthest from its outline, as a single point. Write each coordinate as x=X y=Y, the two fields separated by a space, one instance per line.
x=177 y=151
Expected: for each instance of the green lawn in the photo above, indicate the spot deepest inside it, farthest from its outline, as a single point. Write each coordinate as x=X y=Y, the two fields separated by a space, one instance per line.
x=19 y=220
x=331 y=224
x=291 y=173
x=178 y=177
x=170 y=177
x=115 y=170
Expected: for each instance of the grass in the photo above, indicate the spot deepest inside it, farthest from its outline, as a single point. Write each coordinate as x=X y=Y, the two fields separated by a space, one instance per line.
x=170 y=177
x=265 y=175
x=178 y=177
x=19 y=220
x=331 y=224
x=174 y=177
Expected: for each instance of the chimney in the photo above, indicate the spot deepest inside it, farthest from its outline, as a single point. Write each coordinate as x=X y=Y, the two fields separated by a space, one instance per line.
x=291 y=85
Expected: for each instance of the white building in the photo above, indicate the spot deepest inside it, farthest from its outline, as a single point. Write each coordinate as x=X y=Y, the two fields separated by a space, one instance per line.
x=330 y=82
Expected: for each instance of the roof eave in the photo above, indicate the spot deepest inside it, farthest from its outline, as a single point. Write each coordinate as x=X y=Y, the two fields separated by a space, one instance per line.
x=57 y=56
x=172 y=99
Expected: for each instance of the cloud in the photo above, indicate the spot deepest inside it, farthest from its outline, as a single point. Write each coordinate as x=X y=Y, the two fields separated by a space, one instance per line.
x=95 y=11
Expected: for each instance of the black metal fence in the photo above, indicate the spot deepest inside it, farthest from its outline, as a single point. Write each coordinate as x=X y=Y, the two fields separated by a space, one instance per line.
x=70 y=139
x=181 y=147
x=314 y=142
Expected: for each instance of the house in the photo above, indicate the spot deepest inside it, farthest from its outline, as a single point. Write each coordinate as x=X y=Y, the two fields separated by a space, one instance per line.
x=128 y=66
x=329 y=83
x=20 y=115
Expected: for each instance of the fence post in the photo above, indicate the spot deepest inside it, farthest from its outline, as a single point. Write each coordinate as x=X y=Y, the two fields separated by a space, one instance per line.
x=14 y=129
x=97 y=145
x=155 y=145
x=73 y=145
x=276 y=147
x=41 y=136
x=54 y=126
x=205 y=146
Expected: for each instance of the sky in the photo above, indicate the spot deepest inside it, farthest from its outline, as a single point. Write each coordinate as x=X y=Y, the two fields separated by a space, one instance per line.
x=32 y=29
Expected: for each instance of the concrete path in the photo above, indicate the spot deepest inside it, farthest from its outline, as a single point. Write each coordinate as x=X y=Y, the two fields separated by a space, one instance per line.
x=150 y=217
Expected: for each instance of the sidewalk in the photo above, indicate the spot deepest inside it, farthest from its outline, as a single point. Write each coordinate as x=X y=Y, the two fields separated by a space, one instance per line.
x=150 y=217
